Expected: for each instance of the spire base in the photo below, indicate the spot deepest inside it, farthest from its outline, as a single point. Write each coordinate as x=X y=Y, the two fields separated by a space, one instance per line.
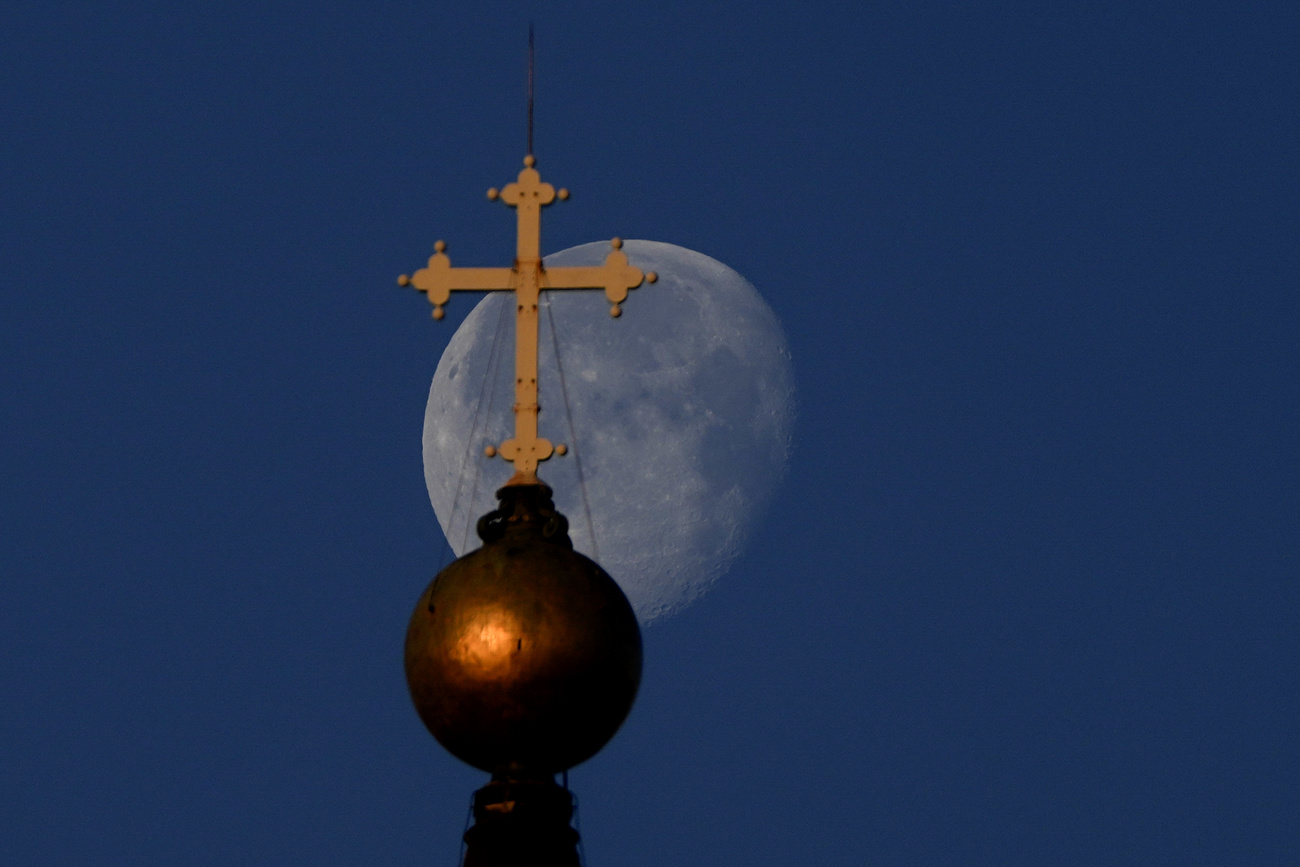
x=522 y=823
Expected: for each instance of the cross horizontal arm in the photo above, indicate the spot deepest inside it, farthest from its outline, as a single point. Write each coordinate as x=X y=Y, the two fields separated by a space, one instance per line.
x=438 y=280
x=616 y=276
x=594 y=277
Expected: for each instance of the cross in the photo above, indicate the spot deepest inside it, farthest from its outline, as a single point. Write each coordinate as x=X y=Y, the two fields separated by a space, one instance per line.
x=526 y=278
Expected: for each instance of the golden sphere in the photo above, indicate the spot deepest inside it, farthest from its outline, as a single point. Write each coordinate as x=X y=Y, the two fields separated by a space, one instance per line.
x=523 y=655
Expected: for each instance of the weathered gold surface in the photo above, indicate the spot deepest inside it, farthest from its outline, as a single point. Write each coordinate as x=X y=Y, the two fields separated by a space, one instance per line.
x=527 y=278
x=523 y=654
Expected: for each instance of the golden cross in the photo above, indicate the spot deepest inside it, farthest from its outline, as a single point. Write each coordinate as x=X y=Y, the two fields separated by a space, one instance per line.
x=527 y=278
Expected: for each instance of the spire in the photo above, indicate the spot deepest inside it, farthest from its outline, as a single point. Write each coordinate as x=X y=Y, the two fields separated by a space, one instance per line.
x=523 y=657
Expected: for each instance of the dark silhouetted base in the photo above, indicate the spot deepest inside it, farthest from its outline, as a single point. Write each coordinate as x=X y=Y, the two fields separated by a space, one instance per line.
x=522 y=823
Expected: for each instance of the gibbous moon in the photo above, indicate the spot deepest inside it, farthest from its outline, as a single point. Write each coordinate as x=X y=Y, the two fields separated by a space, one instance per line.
x=677 y=418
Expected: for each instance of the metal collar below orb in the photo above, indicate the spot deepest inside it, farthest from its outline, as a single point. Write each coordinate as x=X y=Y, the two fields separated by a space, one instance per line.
x=527 y=278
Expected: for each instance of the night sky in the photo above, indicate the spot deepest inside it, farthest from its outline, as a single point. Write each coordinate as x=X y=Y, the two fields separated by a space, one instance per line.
x=1027 y=597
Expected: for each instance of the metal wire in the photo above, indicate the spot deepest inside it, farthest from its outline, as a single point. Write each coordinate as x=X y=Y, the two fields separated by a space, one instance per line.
x=485 y=389
x=573 y=436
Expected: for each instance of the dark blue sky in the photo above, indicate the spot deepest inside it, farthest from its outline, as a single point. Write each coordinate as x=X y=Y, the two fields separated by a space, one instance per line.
x=1028 y=597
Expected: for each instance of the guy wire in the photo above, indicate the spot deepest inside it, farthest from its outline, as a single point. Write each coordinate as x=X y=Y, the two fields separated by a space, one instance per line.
x=493 y=357
x=573 y=436
x=493 y=363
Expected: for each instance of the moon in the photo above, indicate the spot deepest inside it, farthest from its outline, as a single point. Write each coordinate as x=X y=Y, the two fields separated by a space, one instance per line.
x=677 y=417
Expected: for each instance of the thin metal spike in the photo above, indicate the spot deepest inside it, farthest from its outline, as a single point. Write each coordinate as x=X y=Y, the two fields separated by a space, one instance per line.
x=530 y=87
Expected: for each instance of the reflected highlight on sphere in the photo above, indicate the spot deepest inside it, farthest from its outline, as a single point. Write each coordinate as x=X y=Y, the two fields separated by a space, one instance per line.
x=523 y=656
